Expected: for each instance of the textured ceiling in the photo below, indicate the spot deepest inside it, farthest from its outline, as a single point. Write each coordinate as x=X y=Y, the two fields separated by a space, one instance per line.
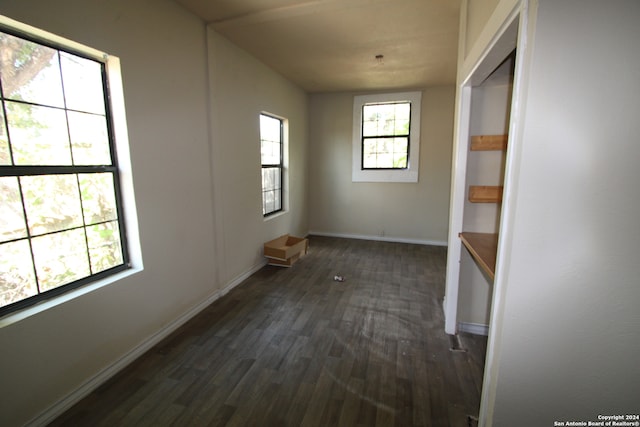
x=331 y=45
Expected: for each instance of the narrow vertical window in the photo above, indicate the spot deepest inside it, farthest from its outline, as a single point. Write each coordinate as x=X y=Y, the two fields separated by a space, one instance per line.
x=61 y=221
x=271 y=154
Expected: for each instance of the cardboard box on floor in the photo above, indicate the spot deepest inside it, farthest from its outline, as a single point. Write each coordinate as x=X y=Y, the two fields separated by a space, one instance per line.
x=285 y=250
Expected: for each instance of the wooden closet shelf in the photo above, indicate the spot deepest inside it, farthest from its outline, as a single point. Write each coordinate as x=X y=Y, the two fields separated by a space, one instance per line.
x=485 y=194
x=489 y=142
x=483 y=248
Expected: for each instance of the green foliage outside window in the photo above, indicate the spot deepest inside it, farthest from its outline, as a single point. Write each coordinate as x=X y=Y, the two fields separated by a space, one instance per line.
x=59 y=221
x=385 y=135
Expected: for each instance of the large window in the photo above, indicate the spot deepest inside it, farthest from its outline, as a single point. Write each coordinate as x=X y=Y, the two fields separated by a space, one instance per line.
x=61 y=222
x=272 y=159
x=386 y=137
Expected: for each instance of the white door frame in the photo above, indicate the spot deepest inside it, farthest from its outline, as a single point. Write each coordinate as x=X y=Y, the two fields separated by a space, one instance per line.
x=501 y=46
x=516 y=30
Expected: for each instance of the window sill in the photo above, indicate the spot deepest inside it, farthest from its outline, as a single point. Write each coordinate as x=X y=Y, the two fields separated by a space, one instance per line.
x=17 y=316
x=275 y=215
x=385 y=176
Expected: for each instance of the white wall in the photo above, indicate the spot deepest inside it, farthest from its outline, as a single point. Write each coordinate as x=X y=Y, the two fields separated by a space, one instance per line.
x=242 y=88
x=565 y=322
x=477 y=14
x=163 y=50
x=405 y=211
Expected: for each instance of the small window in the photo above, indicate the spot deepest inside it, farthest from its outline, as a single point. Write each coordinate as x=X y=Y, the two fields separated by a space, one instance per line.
x=61 y=220
x=272 y=159
x=386 y=137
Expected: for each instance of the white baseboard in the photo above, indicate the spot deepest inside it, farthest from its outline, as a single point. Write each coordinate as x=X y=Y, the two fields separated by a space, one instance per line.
x=58 y=408
x=474 y=328
x=380 y=238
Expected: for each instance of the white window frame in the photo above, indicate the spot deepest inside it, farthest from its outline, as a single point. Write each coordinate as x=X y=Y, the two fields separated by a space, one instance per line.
x=410 y=174
x=285 y=168
x=279 y=165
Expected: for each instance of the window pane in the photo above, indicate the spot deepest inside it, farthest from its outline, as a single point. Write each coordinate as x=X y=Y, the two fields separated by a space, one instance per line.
x=400 y=150
x=265 y=152
x=60 y=258
x=98 y=197
x=269 y=128
x=83 y=87
x=400 y=145
x=401 y=127
x=381 y=153
x=369 y=161
x=399 y=160
x=385 y=154
x=388 y=126
x=89 y=139
x=369 y=153
x=403 y=111
x=277 y=178
x=12 y=224
x=104 y=246
x=277 y=152
x=39 y=135
x=370 y=128
x=5 y=154
x=385 y=119
x=17 y=280
x=52 y=202
x=271 y=190
x=370 y=119
x=269 y=178
x=268 y=202
x=30 y=72
x=277 y=200
x=387 y=111
x=369 y=146
x=270 y=153
x=370 y=112
x=266 y=179
x=270 y=140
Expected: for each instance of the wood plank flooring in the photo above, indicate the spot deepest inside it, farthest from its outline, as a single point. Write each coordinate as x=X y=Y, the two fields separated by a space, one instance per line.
x=293 y=347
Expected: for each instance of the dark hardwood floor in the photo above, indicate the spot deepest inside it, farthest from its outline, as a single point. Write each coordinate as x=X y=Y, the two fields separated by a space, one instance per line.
x=293 y=347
